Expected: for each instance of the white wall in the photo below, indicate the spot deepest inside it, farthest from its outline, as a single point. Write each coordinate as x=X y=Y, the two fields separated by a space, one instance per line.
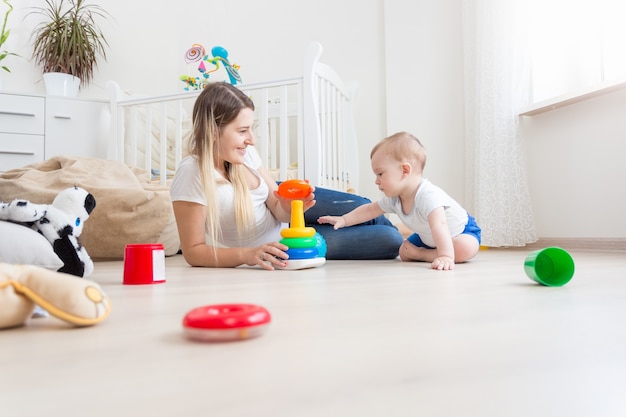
x=575 y=154
x=148 y=40
x=424 y=65
x=576 y=168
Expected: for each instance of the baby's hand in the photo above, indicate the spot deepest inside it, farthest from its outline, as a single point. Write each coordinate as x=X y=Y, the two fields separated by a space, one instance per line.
x=337 y=221
x=442 y=263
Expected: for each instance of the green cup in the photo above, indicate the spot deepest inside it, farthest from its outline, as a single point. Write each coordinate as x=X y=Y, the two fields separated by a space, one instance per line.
x=552 y=266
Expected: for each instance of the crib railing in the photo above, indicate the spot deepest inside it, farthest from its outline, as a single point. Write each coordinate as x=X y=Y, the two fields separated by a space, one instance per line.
x=151 y=132
x=303 y=126
x=280 y=125
x=133 y=124
x=328 y=117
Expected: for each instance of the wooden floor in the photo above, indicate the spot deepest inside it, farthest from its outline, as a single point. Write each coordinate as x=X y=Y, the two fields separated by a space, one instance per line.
x=363 y=338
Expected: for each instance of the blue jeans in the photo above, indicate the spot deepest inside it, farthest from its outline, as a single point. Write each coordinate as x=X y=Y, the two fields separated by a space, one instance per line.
x=375 y=239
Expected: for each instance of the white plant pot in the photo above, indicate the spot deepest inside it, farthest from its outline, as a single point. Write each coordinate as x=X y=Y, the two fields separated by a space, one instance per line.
x=60 y=84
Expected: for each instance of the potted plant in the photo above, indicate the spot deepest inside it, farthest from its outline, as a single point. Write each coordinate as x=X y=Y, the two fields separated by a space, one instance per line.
x=69 y=42
x=4 y=35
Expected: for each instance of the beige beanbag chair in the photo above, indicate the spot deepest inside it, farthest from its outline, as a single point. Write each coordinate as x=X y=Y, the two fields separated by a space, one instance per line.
x=130 y=207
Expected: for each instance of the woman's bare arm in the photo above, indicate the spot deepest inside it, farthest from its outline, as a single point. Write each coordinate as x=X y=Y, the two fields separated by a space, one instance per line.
x=190 y=220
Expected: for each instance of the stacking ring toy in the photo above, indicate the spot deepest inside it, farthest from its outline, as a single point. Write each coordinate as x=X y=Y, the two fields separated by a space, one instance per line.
x=292 y=232
x=302 y=253
x=307 y=248
x=226 y=322
x=299 y=242
x=294 y=189
x=321 y=245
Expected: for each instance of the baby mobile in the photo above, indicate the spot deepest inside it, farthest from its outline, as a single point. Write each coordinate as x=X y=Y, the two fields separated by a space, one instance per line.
x=197 y=53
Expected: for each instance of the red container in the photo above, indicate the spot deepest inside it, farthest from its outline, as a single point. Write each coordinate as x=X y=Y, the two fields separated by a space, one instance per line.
x=144 y=263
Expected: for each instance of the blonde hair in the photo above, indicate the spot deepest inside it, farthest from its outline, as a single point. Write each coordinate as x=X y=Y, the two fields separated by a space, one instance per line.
x=403 y=147
x=217 y=106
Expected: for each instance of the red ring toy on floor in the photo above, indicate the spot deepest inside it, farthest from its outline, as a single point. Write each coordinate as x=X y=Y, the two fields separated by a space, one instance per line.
x=226 y=322
x=294 y=189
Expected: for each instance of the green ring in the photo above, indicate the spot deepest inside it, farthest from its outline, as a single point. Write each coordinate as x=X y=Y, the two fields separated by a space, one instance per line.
x=299 y=242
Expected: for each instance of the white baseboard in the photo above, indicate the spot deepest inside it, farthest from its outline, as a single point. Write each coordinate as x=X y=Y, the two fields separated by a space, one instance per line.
x=567 y=243
x=592 y=244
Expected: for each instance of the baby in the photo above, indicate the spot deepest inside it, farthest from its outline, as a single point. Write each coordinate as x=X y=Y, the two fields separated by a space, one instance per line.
x=444 y=232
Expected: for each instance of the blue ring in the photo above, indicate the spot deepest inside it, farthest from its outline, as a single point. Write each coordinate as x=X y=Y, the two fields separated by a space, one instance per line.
x=302 y=253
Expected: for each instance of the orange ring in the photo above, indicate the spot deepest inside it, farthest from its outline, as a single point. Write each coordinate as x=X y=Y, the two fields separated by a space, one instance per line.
x=294 y=189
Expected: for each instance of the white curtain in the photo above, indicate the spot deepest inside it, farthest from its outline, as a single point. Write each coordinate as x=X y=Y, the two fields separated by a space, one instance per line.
x=497 y=85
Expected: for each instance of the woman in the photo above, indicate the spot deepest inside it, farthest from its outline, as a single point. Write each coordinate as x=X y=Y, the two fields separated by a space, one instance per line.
x=226 y=205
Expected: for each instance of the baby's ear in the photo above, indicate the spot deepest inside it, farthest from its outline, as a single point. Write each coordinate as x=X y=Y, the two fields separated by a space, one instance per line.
x=406 y=168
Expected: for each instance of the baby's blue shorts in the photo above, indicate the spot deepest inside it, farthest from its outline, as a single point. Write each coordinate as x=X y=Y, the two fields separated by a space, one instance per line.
x=471 y=228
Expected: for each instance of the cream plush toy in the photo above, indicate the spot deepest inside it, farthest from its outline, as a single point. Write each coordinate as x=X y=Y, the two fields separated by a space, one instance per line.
x=79 y=302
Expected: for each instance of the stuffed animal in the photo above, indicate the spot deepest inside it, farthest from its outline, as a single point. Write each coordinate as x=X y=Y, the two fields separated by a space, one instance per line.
x=61 y=223
x=79 y=302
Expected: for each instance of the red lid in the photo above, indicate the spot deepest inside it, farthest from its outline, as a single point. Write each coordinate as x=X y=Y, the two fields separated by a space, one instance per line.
x=226 y=316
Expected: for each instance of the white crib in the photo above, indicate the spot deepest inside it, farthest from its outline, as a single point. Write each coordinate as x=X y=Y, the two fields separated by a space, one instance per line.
x=304 y=127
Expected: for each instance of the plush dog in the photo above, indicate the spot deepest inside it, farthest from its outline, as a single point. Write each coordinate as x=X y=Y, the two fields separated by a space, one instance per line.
x=61 y=223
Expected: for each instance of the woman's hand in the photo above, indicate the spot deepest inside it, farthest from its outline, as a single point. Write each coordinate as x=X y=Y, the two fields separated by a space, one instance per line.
x=268 y=256
x=309 y=200
x=285 y=203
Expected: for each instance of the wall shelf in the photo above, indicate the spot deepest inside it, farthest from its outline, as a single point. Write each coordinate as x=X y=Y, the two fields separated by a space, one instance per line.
x=572 y=98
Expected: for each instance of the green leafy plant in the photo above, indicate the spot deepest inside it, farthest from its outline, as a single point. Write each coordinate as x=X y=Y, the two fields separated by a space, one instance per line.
x=4 y=35
x=69 y=40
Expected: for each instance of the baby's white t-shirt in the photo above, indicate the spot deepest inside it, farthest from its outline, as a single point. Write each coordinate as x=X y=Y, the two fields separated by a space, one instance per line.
x=427 y=198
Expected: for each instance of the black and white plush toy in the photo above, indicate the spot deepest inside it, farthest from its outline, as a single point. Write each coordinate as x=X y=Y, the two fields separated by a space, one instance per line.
x=61 y=223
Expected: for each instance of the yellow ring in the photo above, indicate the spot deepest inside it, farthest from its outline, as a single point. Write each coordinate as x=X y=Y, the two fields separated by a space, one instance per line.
x=298 y=232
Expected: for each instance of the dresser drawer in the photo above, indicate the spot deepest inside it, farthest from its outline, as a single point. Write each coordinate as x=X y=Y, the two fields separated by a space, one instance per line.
x=74 y=127
x=22 y=114
x=17 y=150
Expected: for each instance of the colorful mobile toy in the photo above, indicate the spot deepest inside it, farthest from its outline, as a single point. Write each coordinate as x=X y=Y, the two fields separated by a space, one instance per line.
x=307 y=248
x=197 y=53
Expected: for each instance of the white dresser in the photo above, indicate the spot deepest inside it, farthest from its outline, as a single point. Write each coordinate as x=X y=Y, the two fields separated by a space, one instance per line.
x=34 y=128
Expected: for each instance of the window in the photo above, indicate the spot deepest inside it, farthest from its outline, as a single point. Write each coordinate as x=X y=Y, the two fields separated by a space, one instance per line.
x=575 y=45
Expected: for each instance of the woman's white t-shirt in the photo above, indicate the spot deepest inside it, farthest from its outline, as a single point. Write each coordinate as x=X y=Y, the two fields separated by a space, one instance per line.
x=187 y=186
x=427 y=198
